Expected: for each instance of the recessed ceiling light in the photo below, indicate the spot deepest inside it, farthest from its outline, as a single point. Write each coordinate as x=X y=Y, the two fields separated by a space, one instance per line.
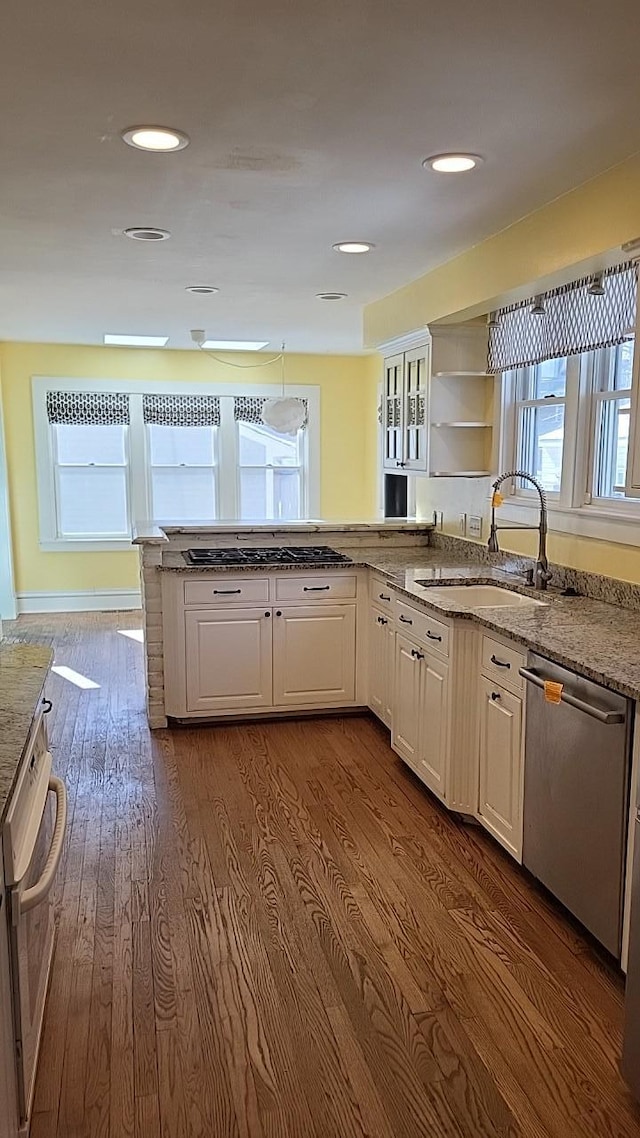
x=202 y=290
x=235 y=345
x=146 y=233
x=123 y=339
x=158 y=138
x=331 y=295
x=353 y=247
x=452 y=163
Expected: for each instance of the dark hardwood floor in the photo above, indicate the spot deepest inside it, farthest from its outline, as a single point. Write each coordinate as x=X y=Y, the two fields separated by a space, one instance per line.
x=272 y=930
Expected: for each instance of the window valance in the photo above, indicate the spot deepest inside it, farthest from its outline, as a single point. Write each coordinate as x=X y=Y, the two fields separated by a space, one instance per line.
x=181 y=410
x=248 y=409
x=571 y=320
x=82 y=408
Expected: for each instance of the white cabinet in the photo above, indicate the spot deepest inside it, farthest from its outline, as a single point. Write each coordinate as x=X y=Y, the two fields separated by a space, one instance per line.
x=228 y=658
x=404 y=410
x=500 y=794
x=421 y=713
x=8 y=1095
x=381 y=664
x=314 y=655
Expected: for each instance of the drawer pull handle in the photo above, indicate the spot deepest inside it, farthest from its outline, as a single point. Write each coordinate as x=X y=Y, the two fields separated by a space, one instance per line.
x=499 y=663
x=226 y=592
x=430 y=636
x=315 y=588
x=495 y=695
x=46 y=706
x=417 y=655
x=382 y=620
x=404 y=619
x=382 y=597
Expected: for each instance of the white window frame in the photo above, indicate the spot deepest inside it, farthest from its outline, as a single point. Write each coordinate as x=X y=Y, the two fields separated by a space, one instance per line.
x=303 y=469
x=571 y=511
x=139 y=474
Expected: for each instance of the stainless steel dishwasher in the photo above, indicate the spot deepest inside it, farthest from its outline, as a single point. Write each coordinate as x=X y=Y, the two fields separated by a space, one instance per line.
x=576 y=788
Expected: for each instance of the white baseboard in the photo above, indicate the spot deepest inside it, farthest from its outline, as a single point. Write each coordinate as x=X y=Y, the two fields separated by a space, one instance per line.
x=81 y=600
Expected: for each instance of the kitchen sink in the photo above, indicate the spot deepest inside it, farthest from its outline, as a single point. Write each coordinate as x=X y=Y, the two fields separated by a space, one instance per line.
x=478 y=596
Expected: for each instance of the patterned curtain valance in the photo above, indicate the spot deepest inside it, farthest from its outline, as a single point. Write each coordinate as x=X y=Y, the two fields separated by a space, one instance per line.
x=181 y=410
x=80 y=408
x=248 y=409
x=574 y=321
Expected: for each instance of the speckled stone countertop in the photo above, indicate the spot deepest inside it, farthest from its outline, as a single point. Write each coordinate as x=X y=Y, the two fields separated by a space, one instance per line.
x=23 y=671
x=597 y=639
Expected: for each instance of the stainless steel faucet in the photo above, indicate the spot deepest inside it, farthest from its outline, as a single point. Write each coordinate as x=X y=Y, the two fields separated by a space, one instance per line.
x=542 y=575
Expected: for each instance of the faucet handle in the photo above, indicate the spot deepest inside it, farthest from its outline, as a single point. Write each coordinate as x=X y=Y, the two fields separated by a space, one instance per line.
x=529 y=576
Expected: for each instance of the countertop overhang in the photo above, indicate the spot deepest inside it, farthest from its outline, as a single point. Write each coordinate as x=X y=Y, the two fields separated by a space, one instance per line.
x=154 y=533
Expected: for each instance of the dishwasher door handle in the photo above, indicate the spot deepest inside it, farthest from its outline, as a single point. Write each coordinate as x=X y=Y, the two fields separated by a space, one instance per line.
x=606 y=717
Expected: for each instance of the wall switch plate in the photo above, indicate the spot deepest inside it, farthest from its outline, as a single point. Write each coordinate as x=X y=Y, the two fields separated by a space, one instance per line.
x=462 y=524
x=475 y=525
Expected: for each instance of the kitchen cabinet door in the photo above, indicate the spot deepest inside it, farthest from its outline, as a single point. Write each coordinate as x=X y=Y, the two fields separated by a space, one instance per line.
x=393 y=403
x=8 y=1090
x=314 y=655
x=228 y=659
x=405 y=734
x=434 y=724
x=381 y=664
x=500 y=792
x=414 y=418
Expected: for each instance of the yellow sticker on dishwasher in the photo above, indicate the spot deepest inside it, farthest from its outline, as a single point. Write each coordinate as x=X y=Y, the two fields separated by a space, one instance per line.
x=552 y=691
x=497 y=499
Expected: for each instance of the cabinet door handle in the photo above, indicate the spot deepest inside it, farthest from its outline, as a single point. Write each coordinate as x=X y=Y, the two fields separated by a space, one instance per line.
x=495 y=695
x=382 y=597
x=404 y=619
x=267 y=614
x=400 y=464
x=417 y=655
x=315 y=588
x=278 y=613
x=46 y=706
x=382 y=620
x=430 y=636
x=499 y=663
x=226 y=592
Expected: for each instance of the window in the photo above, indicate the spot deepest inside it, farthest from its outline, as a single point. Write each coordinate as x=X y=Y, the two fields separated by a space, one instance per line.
x=271 y=468
x=567 y=422
x=106 y=460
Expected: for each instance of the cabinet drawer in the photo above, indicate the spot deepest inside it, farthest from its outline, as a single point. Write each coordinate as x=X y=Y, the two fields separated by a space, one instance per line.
x=380 y=594
x=423 y=627
x=314 y=589
x=502 y=663
x=227 y=590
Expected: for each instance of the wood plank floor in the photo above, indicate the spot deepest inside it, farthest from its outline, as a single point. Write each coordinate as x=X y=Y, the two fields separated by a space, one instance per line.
x=272 y=931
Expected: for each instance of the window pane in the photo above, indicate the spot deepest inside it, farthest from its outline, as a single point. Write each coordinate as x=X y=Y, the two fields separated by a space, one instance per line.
x=181 y=446
x=260 y=446
x=87 y=444
x=183 y=494
x=286 y=494
x=549 y=378
x=92 y=500
x=253 y=495
x=612 y=444
x=540 y=443
x=623 y=366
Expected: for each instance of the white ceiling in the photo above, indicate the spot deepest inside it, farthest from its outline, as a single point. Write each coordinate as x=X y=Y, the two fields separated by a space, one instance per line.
x=308 y=123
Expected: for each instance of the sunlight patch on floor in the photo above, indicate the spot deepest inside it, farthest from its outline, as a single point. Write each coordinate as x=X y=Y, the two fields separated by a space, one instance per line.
x=73 y=677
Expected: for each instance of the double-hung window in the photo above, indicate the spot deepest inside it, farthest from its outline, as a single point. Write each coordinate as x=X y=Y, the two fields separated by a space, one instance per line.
x=540 y=398
x=271 y=466
x=610 y=420
x=181 y=447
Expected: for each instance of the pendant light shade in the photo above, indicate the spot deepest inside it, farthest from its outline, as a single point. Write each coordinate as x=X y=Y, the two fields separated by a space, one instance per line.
x=284 y=414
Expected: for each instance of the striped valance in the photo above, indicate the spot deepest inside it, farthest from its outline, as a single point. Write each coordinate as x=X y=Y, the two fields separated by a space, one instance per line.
x=181 y=410
x=248 y=408
x=573 y=320
x=82 y=408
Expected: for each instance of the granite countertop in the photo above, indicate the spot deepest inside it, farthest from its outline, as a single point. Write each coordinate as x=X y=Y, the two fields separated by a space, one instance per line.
x=597 y=639
x=23 y=671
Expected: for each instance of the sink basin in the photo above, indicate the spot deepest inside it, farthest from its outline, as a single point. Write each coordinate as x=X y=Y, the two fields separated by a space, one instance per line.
x=479 y=596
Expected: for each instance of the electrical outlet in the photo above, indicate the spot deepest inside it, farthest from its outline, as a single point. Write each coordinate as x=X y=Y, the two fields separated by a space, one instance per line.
x=462 y=524
x=475 y=525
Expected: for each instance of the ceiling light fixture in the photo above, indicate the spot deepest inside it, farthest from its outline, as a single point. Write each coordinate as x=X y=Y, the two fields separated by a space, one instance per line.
x=161 y=139
x=452 y=163
x=493 y=321
x=596 y=285
x=330 y=295
x=354 y=247
x=146 y=233
x=234 y=345
x=538 y=308
x=123 y=339
x=202 y=290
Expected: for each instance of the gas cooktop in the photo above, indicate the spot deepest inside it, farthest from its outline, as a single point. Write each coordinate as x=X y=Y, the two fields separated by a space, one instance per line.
x=274 y=555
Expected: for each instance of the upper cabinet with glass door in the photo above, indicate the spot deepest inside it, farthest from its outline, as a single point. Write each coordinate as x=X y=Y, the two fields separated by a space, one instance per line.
x=404 y=411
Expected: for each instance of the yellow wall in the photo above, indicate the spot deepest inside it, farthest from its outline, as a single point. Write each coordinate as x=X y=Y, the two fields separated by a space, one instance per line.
x=529 y=256
x=348 y=450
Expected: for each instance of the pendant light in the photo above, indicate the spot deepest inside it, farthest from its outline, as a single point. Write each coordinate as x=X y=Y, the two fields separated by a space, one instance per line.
x=284 y=414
